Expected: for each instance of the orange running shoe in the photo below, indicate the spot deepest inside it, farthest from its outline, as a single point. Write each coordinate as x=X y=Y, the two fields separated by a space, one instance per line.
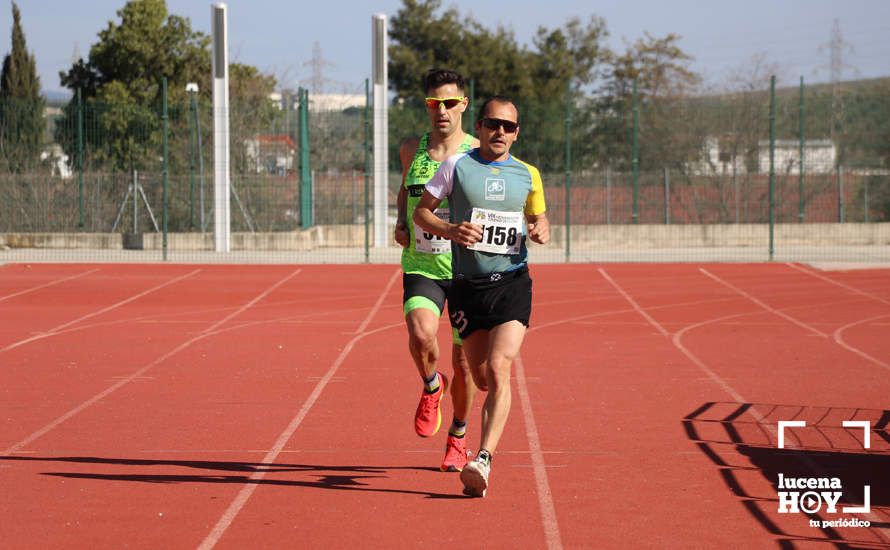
x=428 y=417
x=455 y=455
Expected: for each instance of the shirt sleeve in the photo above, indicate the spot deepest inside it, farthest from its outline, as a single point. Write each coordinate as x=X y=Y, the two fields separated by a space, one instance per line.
x=534 y=204
x=442 y=182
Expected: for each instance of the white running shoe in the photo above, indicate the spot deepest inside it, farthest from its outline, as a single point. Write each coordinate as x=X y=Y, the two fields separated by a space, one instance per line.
x=474 y=476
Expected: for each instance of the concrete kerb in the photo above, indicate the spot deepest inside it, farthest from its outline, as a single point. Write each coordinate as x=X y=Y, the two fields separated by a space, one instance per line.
x=852 y=243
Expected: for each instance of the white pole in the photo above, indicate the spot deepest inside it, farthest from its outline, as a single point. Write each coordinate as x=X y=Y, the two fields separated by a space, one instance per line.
x=221 y=186
x=135 y=202
x=381 y=148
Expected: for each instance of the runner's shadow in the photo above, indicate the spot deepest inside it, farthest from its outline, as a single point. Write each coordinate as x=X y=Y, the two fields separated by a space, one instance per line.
x=330 y=477
x=740 y=438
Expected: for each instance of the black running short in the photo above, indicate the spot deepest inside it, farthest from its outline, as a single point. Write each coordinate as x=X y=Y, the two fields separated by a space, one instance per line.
x=489 y=301
x=419 y=291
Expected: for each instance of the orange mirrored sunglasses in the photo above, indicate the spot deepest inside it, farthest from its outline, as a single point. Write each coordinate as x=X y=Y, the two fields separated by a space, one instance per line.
x=449 y=102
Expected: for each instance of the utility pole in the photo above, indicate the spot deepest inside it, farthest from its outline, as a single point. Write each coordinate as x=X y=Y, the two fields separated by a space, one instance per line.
x=317 y=82
x=836 y=47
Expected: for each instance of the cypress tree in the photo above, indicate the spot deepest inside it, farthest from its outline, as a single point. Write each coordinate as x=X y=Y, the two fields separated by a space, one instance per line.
x=21 y=105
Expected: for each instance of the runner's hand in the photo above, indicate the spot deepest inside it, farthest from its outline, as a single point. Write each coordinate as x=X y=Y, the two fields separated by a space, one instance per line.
x=465 y=233
x=400 y=234
x=539 y=232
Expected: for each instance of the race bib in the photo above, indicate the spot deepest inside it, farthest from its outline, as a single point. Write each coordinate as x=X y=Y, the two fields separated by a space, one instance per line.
x=429 y=243
x=501 y=231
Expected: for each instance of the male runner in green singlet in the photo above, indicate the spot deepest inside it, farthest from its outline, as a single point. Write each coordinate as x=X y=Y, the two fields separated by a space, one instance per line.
x=426 y=263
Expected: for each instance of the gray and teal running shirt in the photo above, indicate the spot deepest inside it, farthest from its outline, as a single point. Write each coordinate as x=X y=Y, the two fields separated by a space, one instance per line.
x=426 y=254
x=496 y=195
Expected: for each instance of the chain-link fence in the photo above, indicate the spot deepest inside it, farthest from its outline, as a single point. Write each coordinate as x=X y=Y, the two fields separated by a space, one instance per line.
x=794 y=175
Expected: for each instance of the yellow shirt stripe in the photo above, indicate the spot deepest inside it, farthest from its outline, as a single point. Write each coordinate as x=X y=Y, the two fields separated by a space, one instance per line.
x=534 y=204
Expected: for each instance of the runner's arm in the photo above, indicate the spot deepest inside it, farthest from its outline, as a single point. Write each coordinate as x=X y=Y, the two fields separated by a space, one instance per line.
x=406 y=155
x=535 y=210
x=464 y=233
x=400 y=233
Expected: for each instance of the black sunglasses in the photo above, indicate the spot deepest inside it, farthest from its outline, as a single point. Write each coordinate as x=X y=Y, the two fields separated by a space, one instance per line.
x=495 y=123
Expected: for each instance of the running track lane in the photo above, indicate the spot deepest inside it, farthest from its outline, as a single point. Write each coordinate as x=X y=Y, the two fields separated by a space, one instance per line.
x=119 y=472
x=610 y=423
x=730 y=361
x=188 y=405
x=364 y=479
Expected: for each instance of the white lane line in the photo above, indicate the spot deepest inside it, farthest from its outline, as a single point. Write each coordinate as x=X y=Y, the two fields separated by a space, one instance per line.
x=55 y=330
x=838 y=337
x=677 y=338
x=139 y=373
x=838 y=283
x=545 y=496
x=45 y=285
x=634 y=303
x=763 y=304
x=241 y=498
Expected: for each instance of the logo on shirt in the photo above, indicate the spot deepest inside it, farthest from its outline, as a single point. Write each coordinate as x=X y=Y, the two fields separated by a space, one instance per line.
x=423 y=168
x=495 y=189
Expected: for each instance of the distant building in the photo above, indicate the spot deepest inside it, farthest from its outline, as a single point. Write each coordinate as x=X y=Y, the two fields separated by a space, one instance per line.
x=819 y=156
x=718 y=158
x=271 y=154
x=56 y=157
x=52 y=152
x=323 y=102
x=335 y=102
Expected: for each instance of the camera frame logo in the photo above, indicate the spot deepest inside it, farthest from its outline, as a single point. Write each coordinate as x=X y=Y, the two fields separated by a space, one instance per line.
x=812 y=495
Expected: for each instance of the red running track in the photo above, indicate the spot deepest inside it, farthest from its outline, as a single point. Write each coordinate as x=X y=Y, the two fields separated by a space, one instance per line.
x=179 y=406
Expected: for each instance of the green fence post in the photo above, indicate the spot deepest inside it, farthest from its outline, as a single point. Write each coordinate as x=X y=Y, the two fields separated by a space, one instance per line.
x=367 y=170
x=772 y=164
x=80 y=222
x=840 y=194
x=800 y=119
x=165 y=168
x=667 y=196
x=865 y=183
x=306 y=220
x=608 y=196
x=568 y=230
x=635 y=158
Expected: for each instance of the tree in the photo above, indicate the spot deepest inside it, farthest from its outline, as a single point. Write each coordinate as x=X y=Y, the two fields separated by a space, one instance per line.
x=423 y=37
x=664 y=82
x=421 y=40
x=120 y=82
x=21 y=105
x=147 y=45
x=566 y=61
x=740 y=112
x=252 y=112
x=574 y=54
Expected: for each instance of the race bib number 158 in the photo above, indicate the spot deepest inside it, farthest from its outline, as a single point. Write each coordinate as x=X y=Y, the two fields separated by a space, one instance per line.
x=501 y=231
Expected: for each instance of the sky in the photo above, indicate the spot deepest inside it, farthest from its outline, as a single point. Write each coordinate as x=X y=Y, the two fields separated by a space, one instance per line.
x=280 y=37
